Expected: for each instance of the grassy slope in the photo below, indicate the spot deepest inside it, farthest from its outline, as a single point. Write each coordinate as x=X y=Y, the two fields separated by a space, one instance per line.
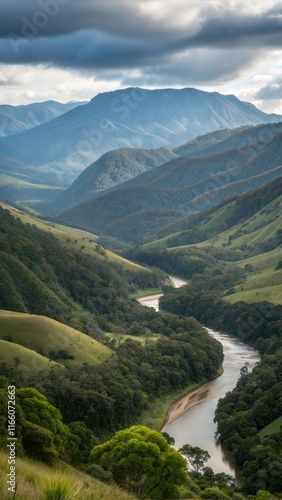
x=73 y=238
x=42 y=334
x=271 y=428
x=263 y=283
x=30 y=361
x=34 y=478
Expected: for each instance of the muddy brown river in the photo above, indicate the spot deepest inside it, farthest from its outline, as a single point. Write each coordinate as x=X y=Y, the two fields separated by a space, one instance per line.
x=196 y=426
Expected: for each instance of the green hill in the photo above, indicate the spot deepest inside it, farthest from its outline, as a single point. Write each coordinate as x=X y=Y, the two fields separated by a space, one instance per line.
x=78 y=285
x=23 y=359
x=111 y=169
x=76 y=239
x=181 y=186
x=51 y=339
x=245 y=231
x=35 y=480
x=223 y=224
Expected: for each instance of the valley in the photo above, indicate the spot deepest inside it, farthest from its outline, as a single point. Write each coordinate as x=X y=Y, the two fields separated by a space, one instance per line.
x=138 y=186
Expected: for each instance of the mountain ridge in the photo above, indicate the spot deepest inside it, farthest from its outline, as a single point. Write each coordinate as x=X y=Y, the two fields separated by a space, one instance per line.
x=17 y=119
x=180 y=185
x=132 y=117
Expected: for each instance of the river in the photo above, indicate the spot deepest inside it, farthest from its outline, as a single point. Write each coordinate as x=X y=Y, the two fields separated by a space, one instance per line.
x=195 y=426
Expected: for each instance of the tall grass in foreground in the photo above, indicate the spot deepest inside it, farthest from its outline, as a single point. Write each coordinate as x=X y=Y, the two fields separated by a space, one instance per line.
x=36 y=481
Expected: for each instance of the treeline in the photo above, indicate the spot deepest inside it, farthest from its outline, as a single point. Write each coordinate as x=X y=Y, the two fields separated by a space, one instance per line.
x=111 y=395
x=241 y=417
x=256 y=402
x=259 y=323
x=39 y=429
x=235 y=210
x=206 y=268
x=138 y=459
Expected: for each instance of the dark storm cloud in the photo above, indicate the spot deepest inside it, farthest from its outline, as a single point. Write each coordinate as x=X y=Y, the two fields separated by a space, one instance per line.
x=114 y=35
x=118 y=17
x=194 y=68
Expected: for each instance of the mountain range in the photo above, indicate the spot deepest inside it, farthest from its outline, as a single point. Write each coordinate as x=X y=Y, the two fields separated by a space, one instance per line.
x=63 y=146
x=135 y=209
x=17 y=119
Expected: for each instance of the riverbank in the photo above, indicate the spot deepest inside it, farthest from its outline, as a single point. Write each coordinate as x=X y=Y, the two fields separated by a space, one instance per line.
x=155 y=415
x=159 y=413
x=190 y=399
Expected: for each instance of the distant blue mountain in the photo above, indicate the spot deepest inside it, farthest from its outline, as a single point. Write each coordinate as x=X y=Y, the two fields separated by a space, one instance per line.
x=17 y=119
x=133 y=117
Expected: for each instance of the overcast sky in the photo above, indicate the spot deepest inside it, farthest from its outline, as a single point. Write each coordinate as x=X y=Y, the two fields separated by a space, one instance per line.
x=73 y=49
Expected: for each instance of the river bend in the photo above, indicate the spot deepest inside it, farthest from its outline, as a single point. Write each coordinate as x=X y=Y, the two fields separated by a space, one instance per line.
x=195 y=426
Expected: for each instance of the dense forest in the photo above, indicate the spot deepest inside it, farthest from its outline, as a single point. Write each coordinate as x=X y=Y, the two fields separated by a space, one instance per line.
x=206 y=268
x=65 y=411
x=60 y=408
x=243 y=415
x=40 y=277
x=111 y=395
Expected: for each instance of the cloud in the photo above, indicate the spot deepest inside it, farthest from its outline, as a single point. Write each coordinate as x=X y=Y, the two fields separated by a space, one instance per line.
x=149 y=43
x=271 y=91
x=113 y=34
x=60 y=17
x=194 y=67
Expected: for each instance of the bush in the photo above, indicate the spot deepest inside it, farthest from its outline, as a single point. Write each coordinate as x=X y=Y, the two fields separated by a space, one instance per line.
x=214 y=493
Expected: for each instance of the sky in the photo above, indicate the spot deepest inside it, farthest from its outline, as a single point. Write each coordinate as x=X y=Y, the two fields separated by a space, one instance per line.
x=70 y=50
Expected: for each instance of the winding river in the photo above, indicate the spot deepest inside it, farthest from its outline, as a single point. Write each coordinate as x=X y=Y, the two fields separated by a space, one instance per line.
x=190 y=420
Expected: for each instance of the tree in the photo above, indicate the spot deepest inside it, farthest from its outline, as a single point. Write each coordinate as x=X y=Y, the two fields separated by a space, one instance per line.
x=142 y=461
x=169 y=439
x=79 y=443
x=38 y=443
x=214 y=493
x=196 y=457
x=43 y=432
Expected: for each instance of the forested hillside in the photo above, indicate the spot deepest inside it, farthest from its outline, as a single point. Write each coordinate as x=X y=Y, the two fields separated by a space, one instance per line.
x=249 y=417
x=86 y=292
x=109 y=170
x=181 y=186
x=235 y=247
x=91 y=294
x=86 y=389
x=229 y=254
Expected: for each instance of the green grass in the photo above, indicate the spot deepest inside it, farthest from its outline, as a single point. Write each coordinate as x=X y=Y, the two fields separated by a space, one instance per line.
x=36 y=481
x=271 y=428
x=42 y=334
x=263 y=262
x=76 y=239
x=269 y=293
x=29 y=361
x=263 y=279
x=263 y=282
x=154 y=416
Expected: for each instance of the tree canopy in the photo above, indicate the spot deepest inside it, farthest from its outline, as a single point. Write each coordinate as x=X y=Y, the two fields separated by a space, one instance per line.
x=142 y=461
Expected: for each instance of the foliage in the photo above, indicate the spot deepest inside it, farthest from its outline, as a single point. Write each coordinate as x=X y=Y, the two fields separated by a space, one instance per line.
x=260 y=322
x=196 y=457
x=43 y=432
x=35 y=479
x=39 y=276
x=205 y=268
x=256 y=401
x=142 y=462
x=214 y=493
x=169 y=439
